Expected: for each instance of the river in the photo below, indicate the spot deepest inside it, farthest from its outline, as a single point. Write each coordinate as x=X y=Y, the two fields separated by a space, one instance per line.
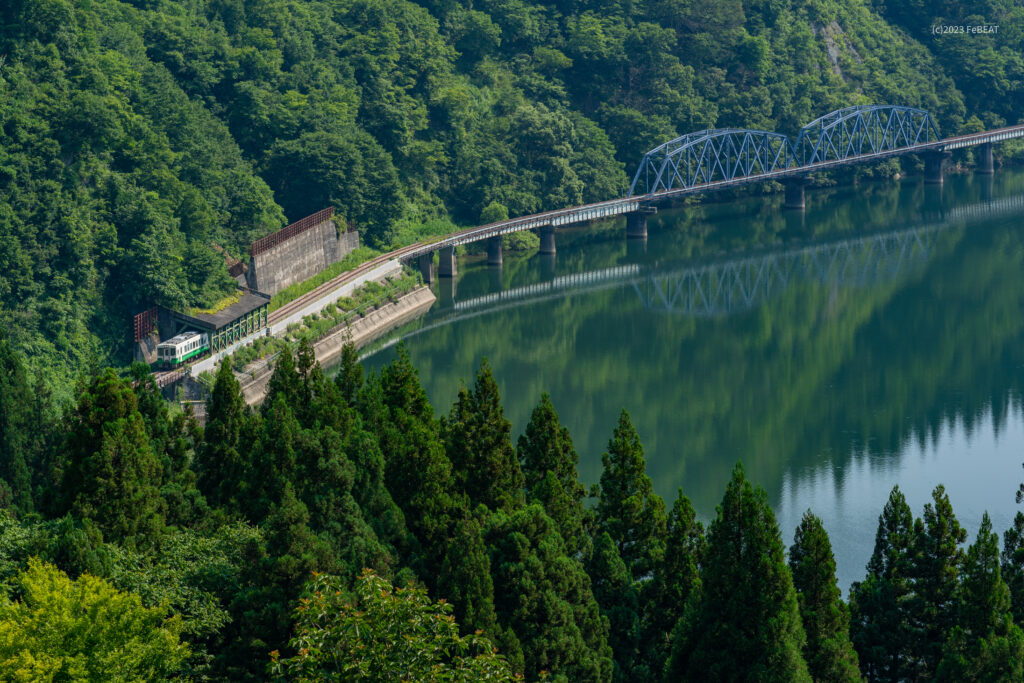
x=874 y=339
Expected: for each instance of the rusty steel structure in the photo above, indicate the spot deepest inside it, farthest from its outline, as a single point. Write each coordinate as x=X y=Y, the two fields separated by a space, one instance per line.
x=272 y=240
x=144 y=323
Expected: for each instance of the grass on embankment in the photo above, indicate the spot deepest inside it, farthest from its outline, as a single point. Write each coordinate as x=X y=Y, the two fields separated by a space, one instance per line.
x=315 y=326
x=404 y=236
x=353 y=259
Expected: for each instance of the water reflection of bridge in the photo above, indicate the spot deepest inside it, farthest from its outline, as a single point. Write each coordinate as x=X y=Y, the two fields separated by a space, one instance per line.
x=735 y=284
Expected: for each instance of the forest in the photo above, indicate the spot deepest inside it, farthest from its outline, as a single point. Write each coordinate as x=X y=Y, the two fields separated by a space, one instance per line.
x=345 y=531
x=140 y=137
x=140 y=140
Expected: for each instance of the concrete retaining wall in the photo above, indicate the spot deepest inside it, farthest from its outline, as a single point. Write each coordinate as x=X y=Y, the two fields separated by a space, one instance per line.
x=299 y=258
x=384 y=270
x=361 y=332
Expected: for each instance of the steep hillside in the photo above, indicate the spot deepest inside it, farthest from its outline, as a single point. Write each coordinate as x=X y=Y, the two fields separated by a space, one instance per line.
x=136 y=135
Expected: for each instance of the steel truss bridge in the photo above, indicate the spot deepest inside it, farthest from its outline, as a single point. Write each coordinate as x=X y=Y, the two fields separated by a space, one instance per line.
x=738 y=284
x=717 y=159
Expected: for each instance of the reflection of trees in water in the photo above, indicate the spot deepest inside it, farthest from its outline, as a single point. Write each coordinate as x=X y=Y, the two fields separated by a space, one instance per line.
x=814 y=375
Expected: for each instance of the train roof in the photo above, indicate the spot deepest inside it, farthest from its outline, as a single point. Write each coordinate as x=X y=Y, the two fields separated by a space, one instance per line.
x=179 y=338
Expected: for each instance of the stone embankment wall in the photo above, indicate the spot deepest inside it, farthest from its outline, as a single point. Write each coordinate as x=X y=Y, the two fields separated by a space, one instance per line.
x=299 y=257
x=361 y=332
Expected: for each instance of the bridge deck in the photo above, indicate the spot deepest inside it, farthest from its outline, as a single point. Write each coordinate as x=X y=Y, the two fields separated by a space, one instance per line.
x=616 y=207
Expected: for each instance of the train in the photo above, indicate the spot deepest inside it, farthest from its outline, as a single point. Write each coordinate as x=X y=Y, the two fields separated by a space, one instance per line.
x=182 y=348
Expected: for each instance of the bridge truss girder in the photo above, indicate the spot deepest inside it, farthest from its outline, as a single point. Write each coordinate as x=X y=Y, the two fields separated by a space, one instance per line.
x=712 y=155
x=727 y=154
x=867 y=129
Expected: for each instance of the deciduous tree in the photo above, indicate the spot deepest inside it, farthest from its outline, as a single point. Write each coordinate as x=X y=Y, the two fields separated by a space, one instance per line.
x=84 y=630
x=378 y=633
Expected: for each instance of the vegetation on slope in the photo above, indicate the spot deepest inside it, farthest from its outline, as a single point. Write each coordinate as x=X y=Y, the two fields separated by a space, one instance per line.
x=136 y=134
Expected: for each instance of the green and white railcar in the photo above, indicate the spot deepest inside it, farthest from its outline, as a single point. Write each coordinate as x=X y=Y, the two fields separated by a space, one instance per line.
x=182 y=348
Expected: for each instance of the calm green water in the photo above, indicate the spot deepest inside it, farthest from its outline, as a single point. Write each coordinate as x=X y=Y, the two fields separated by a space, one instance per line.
x=875 y=339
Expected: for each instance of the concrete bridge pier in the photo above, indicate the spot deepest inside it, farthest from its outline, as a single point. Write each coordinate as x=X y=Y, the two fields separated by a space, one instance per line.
x=494 y=251
x=986 y=163
x=547 y=239
x=636 y=225
x=934 y=163
x=636 y=222
x=426 y=263
x=795 y=192
x=446 y=266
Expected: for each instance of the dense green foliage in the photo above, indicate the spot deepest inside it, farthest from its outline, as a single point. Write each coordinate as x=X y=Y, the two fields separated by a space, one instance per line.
x=215 y=547
x=826 y=619
x=138 y=134
x=745 y=623
x=381 y=634
x=84 y=630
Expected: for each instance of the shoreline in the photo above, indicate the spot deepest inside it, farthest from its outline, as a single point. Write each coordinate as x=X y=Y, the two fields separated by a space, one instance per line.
x=363 y=331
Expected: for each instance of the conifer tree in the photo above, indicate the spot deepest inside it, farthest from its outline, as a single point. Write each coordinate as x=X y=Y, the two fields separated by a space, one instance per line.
x=323 y=479
x=629 y=510
x=829 y=653
x=548 y=460
x=465 y=579
x=747 y=624
x=543 y=600
x=350 y=373
x=935 y=572
x=15 y=429
x=285 y=383
x=417 y=470
x=173 y=440
x=985 y=644
x=478 y=441
x=111 y=476
x=617 y=595
x=1013 y=566
x=879 y=624
x=262 y=608
x=676 y=579
x=220 y=465
x=274 y=460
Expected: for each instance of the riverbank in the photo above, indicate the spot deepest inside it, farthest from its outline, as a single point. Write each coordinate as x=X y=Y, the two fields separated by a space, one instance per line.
x=361 y=332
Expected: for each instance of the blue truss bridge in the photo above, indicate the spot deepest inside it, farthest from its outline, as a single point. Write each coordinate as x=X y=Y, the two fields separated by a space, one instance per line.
x=715 y=159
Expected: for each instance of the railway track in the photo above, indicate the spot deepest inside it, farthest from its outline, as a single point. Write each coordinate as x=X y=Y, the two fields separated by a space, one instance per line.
x=335 y=282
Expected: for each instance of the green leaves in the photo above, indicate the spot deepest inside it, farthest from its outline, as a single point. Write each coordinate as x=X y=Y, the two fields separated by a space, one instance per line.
x=378 y=633
x=84 y=630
